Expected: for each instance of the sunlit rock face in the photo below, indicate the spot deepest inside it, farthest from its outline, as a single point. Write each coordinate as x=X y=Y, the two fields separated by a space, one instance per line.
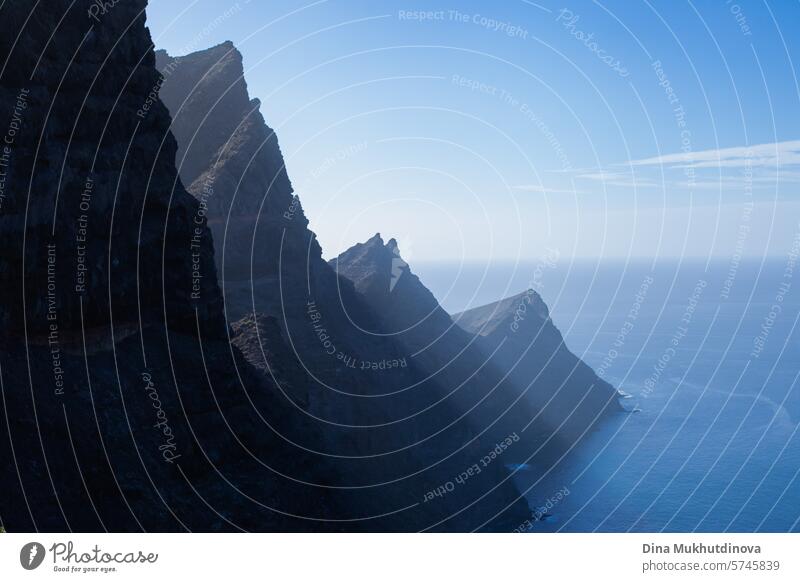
x=231 y=162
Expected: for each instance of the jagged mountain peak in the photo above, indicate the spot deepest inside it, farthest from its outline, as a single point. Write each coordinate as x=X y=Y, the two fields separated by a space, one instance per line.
x=372 y=259
x=386 y=280
x=208 y=99
x=229 y=158
x=374 y=252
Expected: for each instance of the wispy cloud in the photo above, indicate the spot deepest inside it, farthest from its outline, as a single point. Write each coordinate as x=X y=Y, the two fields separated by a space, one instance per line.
x=547 y=189
x=777 y=155
x=760 y=166
x=616 y=178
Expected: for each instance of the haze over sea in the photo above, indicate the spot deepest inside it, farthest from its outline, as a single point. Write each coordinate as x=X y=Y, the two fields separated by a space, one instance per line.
x=707 y=353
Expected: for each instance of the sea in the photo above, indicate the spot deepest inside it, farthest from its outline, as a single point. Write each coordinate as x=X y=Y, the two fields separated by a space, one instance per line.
x=706 y=355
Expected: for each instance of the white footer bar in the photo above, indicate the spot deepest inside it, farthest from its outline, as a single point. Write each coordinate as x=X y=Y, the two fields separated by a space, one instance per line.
x=356 y=557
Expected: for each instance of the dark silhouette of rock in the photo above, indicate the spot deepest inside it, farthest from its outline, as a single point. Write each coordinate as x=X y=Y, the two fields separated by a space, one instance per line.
x=389 y=422
x=92 y=199
x=126 y=407
x=332 y=403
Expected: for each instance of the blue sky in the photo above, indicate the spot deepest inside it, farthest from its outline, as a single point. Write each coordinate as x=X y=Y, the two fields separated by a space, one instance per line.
x=495 y=130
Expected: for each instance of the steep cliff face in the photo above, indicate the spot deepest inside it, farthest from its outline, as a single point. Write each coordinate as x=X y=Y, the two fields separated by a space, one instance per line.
x=385 y=419
x=92 y=202
x=231 y=162
x=521 y=334
x=412 y=315
x=271 y=263
x=126 y=407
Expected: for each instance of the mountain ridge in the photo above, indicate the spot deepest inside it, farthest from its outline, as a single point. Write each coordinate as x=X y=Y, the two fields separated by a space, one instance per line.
x=515 y=334
x=290 y=303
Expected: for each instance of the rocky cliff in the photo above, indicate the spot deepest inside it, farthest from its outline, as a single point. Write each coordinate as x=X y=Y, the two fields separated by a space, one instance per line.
x=126 y=408
x=231 y=162
x=333 y=401
x=91 y=198
x=386 y=419
x=127 y=400
x=410 y=313
x=566 y=392
x=507 y=358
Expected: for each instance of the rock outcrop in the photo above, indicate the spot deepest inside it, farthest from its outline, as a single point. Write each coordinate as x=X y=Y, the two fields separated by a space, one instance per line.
x=409 y=312
x=231 y=162
x=518 y=330
x=508 y=356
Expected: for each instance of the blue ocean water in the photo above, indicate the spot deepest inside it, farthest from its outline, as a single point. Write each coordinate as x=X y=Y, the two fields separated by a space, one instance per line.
x=709 y=354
